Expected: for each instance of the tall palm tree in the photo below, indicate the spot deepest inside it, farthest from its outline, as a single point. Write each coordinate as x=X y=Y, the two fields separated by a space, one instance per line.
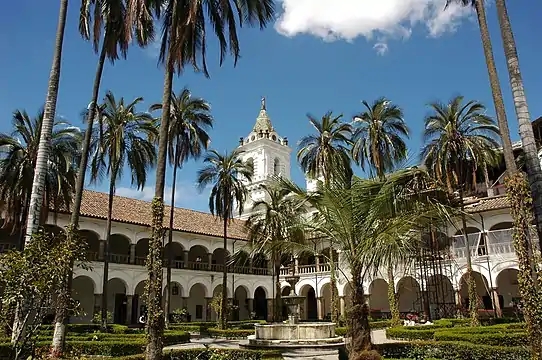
x=534 y=172
x=378 y=142
x=479 y=7
x=226 y=173
x=124 y=138
x=274 y=226
x=113 y=17
x=190 y=120
x=184 y=42
x=44 y=147
x=326 y=154
x=18 y=152
x=459 y=135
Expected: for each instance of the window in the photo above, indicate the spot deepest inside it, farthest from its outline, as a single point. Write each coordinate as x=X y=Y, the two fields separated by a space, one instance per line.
x=276 y=167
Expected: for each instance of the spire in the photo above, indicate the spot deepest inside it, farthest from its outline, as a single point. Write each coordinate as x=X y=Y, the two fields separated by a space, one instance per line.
x=263 y=123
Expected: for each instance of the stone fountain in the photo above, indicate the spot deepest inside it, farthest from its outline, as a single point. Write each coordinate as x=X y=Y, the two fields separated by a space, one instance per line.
x=304 y=340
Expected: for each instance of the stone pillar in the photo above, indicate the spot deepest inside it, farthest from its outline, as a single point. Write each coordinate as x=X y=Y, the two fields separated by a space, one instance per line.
x=210 y=259
x=270 y=307
x=342 y=305
x=296 y=265
x=97 y=304
x=458 y=302
x=185 y=259
x=101 y=250
x=317 y=261
x=320 y=308
x=129 y=309
x=207 y=309
x=184 y=302
x=250 y=307
x=495 y=294
x=132 y=253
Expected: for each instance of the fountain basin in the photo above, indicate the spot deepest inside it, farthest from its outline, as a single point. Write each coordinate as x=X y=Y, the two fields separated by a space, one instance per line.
x=301 y=331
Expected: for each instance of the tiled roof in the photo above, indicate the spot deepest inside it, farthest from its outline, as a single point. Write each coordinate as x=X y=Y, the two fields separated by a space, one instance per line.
x=138 y=212
x=487 y=204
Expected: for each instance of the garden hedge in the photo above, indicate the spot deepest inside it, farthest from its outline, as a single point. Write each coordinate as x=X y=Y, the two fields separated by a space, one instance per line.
x=493 y=339
x=206 y=354
x=452 y=350
x=430 y=332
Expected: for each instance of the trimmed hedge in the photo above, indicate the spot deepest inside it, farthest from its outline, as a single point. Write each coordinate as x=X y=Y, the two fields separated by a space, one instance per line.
x=88 y=328
x=493 y=339
x=205 y=354
x=429 y=332
x=450 y=350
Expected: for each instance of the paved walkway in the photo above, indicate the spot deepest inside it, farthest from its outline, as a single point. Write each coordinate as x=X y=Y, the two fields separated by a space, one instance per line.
x=378 y=337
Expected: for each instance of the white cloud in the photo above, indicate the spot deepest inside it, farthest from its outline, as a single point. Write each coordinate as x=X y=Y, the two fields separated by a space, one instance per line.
x=381 y=48
x=186 y=195
x=349 y=19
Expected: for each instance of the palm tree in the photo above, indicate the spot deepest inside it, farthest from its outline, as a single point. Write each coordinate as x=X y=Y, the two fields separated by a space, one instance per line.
x=226 y=173
x=378 y=142
x=184 y=42
x=360 y=221
x=18 y=152
x=534 y=171
x=274 y=226
x=458 y=136
x=43 y=152
x=326 y=154
x=124 y=138
x=190 y=120
x=494 y=82
x=112 y=16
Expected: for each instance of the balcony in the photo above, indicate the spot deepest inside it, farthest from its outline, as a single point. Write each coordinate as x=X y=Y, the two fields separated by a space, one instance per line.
x=494 y=243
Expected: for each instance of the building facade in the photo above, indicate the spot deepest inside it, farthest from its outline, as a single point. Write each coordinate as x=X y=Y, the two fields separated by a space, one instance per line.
x=434 y=285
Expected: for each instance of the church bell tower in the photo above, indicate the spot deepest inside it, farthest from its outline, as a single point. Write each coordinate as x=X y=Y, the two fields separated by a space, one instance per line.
x=269 y=154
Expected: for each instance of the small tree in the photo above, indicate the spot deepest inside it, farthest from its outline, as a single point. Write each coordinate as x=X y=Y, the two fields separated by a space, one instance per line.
x=31 y=277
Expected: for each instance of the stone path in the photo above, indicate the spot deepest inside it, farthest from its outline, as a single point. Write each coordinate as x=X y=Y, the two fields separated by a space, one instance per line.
x=378 y=337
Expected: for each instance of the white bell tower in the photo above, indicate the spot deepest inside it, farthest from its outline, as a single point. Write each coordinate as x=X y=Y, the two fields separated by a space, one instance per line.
x=269 y=154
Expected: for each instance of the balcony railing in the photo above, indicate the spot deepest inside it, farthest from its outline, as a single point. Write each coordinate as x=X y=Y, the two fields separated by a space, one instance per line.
x=308 y=269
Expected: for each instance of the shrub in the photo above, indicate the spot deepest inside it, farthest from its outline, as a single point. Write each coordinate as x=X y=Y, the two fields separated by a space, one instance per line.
x=449 y=350
x=341 y=331
x=213 y=354
x=367 y=355
x=494 y=339
x=410 y=333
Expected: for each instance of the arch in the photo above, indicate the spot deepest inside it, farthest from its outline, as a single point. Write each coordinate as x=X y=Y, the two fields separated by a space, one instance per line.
x=176 y=296
x=119 y=249
x=219 y=259
x=175 y=252
x=117 y=300
x=378 y=296
x=141 y=250
x=276 y=167
x=83 y=288
x=325 y=300
x=198 y=258
x=139 y=302
x=482 y=291
x=196 y=302
x=504 y=225
x=260 y=303
x=92 y=240
x=240 y=310
x=441 y=296
x=507 y=288
x=53 y=229
x=409 y=295
x=470 y=230
x=241 y=262
x=309 y=308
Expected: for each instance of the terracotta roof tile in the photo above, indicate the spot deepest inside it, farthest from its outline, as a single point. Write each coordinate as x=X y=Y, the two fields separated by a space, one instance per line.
x=138 y=212
x=487 y=204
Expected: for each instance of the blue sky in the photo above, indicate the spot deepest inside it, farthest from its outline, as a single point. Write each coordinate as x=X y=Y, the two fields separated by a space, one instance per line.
x=313 y=59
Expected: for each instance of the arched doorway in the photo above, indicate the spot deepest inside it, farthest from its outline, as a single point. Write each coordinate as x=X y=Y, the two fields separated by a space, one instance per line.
x=196 y=303
x=83 y=289
x=285 y=292
x=378 y=298
x=117 y=300
x=441 y=297
x=484 y=300
x=260 y=303
x=241 y=304
x=408 y=295
x=310 y=307
x=509 y=296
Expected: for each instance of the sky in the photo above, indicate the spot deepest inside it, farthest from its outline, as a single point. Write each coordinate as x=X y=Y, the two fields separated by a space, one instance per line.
x=317 y=56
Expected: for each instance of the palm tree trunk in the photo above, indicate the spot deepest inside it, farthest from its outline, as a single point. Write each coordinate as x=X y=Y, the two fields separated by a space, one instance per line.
x=360 y=333
x=170 y=241
x=36 y=198
x=154 y=262
x=534 y=172
x=496 y=91
x=333 y=284
x=224 y=301
x=392 y=298
x=471 y=284
x=278 y=294
x=106 y=246
x=62 y=314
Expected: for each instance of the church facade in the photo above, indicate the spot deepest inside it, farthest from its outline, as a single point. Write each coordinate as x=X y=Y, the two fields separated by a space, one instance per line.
x=435 y=286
